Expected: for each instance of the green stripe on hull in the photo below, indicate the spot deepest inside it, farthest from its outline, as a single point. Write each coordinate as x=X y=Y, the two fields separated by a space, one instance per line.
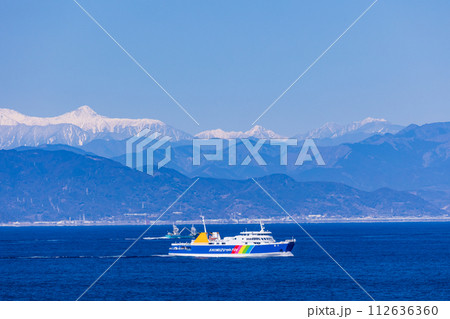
x=248 y=249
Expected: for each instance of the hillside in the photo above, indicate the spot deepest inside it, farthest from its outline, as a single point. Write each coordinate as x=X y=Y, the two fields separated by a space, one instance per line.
x=55 y=185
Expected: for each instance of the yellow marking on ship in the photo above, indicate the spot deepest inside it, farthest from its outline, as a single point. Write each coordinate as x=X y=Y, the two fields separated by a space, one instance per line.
x=202 y=238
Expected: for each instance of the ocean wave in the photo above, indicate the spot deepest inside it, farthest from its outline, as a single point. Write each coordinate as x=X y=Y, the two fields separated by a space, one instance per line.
x=72 y=257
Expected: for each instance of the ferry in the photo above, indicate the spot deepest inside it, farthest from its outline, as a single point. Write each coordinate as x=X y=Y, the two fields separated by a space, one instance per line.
x=246 y=244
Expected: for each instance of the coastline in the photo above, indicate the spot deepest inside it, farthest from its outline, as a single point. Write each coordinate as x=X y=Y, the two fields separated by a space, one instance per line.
x=227 y=222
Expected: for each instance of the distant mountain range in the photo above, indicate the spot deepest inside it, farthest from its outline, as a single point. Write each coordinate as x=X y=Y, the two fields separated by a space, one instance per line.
x=416 y=159
x=328 y=134
x=42 y=185
x=84 y=125
x=257 y=132
x=378 y=161
x=334 y=134
x=74 y=128
x=59 y=167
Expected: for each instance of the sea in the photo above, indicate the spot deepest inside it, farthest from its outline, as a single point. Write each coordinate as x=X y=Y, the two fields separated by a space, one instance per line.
x=391 y=261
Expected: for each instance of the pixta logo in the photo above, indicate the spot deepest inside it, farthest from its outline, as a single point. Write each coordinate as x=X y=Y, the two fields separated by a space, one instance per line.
x=141 y=146
x=253 y=149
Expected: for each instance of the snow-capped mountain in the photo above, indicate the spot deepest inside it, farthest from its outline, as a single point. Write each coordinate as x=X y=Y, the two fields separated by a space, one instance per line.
x=74 y=128
x=23 y=135
x=333 y=133
x=83 y=125
x=256 y=131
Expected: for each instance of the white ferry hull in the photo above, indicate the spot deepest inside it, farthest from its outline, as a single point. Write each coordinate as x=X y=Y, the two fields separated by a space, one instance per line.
x=261 y=255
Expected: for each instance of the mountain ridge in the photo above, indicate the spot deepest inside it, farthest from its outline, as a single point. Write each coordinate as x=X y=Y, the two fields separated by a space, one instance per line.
x=84 y=125
x=75 y=128
x=332 y=133
x=256 y=131
x=39 y=185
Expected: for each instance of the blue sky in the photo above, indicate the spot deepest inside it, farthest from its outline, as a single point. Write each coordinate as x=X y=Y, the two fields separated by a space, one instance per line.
x=226 y=61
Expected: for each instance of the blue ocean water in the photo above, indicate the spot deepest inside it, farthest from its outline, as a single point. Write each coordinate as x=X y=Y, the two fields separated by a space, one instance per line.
x=392 y=261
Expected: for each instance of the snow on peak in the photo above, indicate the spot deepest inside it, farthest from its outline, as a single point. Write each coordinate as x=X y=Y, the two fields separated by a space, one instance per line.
x=256 y=131
x=84 y=110
x=367 y=125
x=219 y=133
x=368 y=120
x=328 y=130
x=260 y=132
x=83 y=117
x=77 y=127
x=7 y=117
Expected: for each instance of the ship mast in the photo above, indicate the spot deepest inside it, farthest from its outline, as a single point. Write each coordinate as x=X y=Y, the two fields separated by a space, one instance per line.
x=262 y=225
x=204 y=225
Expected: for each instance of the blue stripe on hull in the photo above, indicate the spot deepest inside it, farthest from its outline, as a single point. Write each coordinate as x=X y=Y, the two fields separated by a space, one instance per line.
x=228 y=249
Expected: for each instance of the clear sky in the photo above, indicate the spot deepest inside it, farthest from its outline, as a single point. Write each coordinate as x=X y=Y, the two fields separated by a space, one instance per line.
x=226 y=61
